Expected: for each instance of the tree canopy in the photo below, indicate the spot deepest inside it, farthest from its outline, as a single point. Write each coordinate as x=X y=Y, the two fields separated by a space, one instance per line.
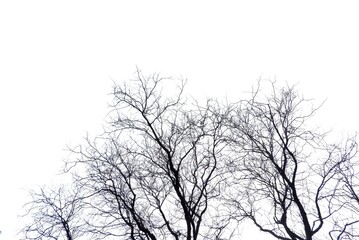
x=170 y=167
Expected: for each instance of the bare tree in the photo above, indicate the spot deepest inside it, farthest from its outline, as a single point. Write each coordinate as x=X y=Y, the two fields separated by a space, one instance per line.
x=157 y=171
x=170 y=168
x=286 y=173
x=54 y=214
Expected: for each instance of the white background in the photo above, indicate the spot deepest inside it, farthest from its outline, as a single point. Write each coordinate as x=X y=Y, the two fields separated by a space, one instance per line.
x=58 y=59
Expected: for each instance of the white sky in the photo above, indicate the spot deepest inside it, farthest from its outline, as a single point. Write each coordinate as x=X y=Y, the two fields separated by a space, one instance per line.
x=57 y=59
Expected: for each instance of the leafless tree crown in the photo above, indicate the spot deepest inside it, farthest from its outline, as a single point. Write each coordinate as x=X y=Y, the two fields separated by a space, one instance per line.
x=170 y=168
